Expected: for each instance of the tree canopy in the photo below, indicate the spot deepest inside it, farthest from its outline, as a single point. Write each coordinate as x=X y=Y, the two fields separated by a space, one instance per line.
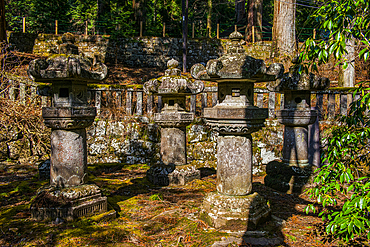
x=124 y=17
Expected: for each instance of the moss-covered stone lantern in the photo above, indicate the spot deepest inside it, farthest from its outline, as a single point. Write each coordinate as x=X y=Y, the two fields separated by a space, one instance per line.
x=68 y=196
x=293 y=172
x=234 y=206
x=173 y=119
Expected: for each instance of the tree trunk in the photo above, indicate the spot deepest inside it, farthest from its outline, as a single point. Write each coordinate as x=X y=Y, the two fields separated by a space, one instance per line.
x=284 y=27
x=185 y=6
x=209 y=19
x=240 y=10
x=250 y=19
x=258 y=19
x=254 y=18
x=139 y=13
x=2 y=22
x=347 y=76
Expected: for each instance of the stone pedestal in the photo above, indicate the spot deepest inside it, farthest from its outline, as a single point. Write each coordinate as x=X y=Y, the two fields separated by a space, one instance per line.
x=68 y=203
x=234 y=206
x=173 y=120
x=173 y=146
x=234 y=213
x=67 y=196
x=68 y=158
x=234 y=165
x=295 y=147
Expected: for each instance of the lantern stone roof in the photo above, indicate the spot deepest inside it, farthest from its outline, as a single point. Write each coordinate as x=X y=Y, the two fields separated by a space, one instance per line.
x=173 y=82
x=295 y=81
x=67 y=65
x=236 y=65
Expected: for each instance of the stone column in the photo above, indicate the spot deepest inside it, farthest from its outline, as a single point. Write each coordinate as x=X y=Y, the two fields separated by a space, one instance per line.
x=234 y=165
x=294 y=171
x=172 y=169
x=173 y=146
x=68 y=158
x=234 y=206
x=68 y=196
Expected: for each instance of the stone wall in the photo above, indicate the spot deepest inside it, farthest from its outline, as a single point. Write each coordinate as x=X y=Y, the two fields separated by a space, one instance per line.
x=136 y=140
x=135 y=52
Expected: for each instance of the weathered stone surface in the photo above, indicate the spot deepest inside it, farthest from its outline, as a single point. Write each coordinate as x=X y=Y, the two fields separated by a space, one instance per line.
x=173 y=146
x=158 y=174
x=68 y=203
x=68 y=47
x=234 y=165
x=295 y=147
x=130 y=141
x=183 y=174
x=235 y=213
x=68 y=117
x=165 y=175
x=68 y=158
x=295 y=81
x=252 y=240
x=236 y=65
x=173 y=119
x=67 y=64
x=136 y=51
x=296 y=116
x=314 y=147
x=235 y=117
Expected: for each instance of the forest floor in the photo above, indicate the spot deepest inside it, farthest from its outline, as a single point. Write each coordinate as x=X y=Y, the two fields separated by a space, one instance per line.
x=146 y=215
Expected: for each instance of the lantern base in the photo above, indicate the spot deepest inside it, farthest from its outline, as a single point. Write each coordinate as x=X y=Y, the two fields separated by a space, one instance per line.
x=164 y=175
x=68 y=203
x=234 y=213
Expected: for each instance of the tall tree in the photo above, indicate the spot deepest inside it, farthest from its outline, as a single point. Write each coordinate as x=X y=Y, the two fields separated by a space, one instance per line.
x=240 y=10
x=2 y=22
x=209 y=19
x=284 y=27
x=139 y=7
x=185 y=7
x=254 y=19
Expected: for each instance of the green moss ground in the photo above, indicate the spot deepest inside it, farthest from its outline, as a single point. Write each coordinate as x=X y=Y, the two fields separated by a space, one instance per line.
x=146 y=215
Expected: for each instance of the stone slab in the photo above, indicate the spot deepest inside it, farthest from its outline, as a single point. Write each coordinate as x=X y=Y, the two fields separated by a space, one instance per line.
x=234 y=213
x=164 y=175
x=68 y=158
x=68 y=203
x=234 y=165
x=173 y=146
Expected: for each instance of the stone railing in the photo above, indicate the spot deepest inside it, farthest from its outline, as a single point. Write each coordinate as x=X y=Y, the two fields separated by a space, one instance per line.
x=132 y=100
x=330 y=102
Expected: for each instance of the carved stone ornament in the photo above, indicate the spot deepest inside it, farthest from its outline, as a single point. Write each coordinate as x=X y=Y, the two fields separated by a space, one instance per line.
x=173 y=83
x=237 y=65
x=235 y=129
x=67 y=65
x=173 y=119
x=294 y=81
x=71 y=67
x=68 y=117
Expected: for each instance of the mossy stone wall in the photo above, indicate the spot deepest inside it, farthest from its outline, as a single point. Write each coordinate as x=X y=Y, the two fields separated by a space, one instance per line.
x=135 y=52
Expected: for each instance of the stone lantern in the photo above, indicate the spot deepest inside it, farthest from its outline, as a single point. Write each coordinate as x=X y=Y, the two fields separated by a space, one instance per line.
x=293 y=172
x=68 y=196
x=234 y=206
x=173 y=120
